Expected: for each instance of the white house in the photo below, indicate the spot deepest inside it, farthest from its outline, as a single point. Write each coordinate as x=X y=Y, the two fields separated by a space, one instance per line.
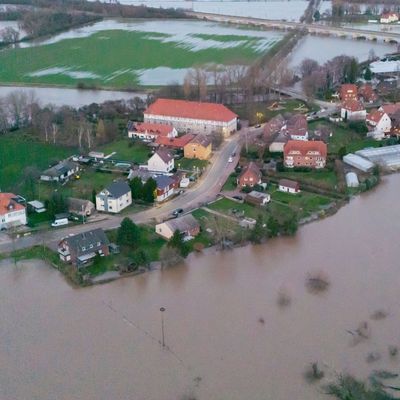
x=187 y=225
x=289 y=186
x=60 y=172
x=149 y=131
x=192 y=116
x=389 y=18
x=161 y=161
x=114 y=198
x=12 y=213
x=380 y=123
x=353 y=110
x=297 y=127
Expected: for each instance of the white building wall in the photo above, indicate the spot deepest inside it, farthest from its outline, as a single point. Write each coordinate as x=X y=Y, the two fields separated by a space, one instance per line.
x=13 y=218
x=156 y=164
x=164 y=230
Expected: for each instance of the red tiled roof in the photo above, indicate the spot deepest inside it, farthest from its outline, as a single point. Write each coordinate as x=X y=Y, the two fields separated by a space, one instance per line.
x=297 y=125
x=251 y=168
x=177 y=143
x=375 y=116
x=347 y=90
x=191 y=109
x=391 y=108
x=159 y=129
x=353 y=105
x=6 y=199
x=305 y=147
x=367 y=92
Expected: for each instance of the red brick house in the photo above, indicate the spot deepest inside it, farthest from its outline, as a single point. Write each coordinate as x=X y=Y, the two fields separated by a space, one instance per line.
x=174 y=142
x=299 y=153
x=348 y=91
x=250 y=176
x=367 y=93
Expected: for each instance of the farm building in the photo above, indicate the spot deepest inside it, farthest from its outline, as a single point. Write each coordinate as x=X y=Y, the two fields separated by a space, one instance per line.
x=192 y=116
x=358 y=162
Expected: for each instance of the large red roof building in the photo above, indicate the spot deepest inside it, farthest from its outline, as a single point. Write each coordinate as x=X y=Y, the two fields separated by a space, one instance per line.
x=192 y=116
x=299 y=153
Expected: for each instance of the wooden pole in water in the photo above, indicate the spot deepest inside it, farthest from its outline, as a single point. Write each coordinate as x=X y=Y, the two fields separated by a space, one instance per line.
x=162 y=309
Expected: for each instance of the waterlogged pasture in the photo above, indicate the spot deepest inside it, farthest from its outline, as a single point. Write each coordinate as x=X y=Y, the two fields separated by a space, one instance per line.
x=123 y=54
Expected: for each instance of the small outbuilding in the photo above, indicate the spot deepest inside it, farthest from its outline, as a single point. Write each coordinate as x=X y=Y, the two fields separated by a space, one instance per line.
x=258 y=198
x=352 y=179
x=358 y=162
x=289 y=186
x=187 y=225
x=36 y=206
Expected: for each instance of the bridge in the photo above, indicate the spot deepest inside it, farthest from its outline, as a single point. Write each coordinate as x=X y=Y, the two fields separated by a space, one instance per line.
x=316 y=29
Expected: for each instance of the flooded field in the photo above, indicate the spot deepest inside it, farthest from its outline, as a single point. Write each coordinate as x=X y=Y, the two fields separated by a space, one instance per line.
x=226 y=336
x=159 y=52
x=290 y=10
x=323 y=49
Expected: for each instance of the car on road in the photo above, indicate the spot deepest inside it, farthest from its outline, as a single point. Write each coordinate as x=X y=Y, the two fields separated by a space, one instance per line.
x=257 y=126
x=233 y=154
x=230 y=159
x=176 y=212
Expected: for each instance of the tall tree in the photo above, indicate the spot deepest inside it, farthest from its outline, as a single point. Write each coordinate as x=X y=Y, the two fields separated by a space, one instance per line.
x=149 y=189
x=128 y=233
x=136 y=186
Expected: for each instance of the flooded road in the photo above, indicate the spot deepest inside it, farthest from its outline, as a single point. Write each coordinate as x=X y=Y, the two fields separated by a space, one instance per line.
x=99 y=343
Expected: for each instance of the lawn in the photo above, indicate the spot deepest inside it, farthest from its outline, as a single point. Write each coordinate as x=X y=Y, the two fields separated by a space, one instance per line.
x=122 y=58
x=226 y=206
x=344 y=137
x=322 y=178
x=231 y=183
x=303 y=203
x=127 y=150
x=17 y=152
x=189 y=164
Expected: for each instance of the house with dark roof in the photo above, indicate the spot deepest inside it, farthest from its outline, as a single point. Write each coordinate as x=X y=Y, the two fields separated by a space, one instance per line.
x=297 y=127
x=273 y=127
x=311 y=154
x=81 y=207
x=186 y=225
x=250 y=176
x=166 y=186
x=192 y=116
x=60 y=172
x=199 y=147
x=161 y=161
x=82 y=248
x=114 y=198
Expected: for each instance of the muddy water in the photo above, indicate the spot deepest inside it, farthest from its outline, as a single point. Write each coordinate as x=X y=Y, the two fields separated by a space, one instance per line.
x=60 y=343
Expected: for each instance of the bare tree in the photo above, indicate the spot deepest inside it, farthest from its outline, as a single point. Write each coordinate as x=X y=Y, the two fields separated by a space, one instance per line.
x=9 y=35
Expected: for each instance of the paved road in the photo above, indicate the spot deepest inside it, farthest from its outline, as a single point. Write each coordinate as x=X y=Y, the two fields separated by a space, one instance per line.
x=207 y=188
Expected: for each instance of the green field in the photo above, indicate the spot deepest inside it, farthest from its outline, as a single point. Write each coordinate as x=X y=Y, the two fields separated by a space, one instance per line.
x=116 y=58
x=127 y=150
x=17 y=152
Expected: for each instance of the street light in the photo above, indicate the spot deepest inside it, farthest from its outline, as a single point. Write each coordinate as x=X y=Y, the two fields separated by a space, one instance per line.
x=162 y=309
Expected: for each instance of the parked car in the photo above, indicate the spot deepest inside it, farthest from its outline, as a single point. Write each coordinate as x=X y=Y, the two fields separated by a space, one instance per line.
x=237 y=197
x=230 y=159
x=178 y=211
x=60 y=222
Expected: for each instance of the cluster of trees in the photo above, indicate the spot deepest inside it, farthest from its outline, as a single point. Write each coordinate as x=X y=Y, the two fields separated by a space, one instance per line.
x=321 y=80
x=351 y=11
x=9 y=35
x=129 y=236
x=45 y=22
x=273 y=228
x=82 y=128
x=144 y=192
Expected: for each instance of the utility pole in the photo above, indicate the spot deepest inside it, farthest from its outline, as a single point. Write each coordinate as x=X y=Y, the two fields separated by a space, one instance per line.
x=162 y=309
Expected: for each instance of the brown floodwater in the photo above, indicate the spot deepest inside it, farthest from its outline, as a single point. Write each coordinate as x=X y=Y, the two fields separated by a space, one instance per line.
x=103 y=342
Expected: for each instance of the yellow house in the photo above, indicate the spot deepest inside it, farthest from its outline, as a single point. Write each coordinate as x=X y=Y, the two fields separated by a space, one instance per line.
x=199 y=147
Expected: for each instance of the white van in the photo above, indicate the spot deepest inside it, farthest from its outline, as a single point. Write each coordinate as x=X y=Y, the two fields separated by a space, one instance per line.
x=60 y=222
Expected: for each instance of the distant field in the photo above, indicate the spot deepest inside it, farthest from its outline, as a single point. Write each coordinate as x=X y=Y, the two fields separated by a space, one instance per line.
x=136 y=54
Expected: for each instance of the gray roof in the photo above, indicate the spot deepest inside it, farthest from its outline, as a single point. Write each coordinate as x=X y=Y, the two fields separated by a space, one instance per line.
x=118 y=189
x=257 y=195
x=202 y=140
x=183 y=224
x=289 y=183
x=76 y=204
x=87 y=242
x=61 y=168
x=165 y=155
x=163 y=181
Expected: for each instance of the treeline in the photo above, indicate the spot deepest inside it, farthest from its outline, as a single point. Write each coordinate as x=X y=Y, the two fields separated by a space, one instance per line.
x=101 y=8
x=322 y=80
x=45 y=22
x=82 y=128
x=352 y=11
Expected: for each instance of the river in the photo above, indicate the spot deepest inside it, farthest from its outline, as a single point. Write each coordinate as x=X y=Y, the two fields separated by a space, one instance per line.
x=102 y=342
